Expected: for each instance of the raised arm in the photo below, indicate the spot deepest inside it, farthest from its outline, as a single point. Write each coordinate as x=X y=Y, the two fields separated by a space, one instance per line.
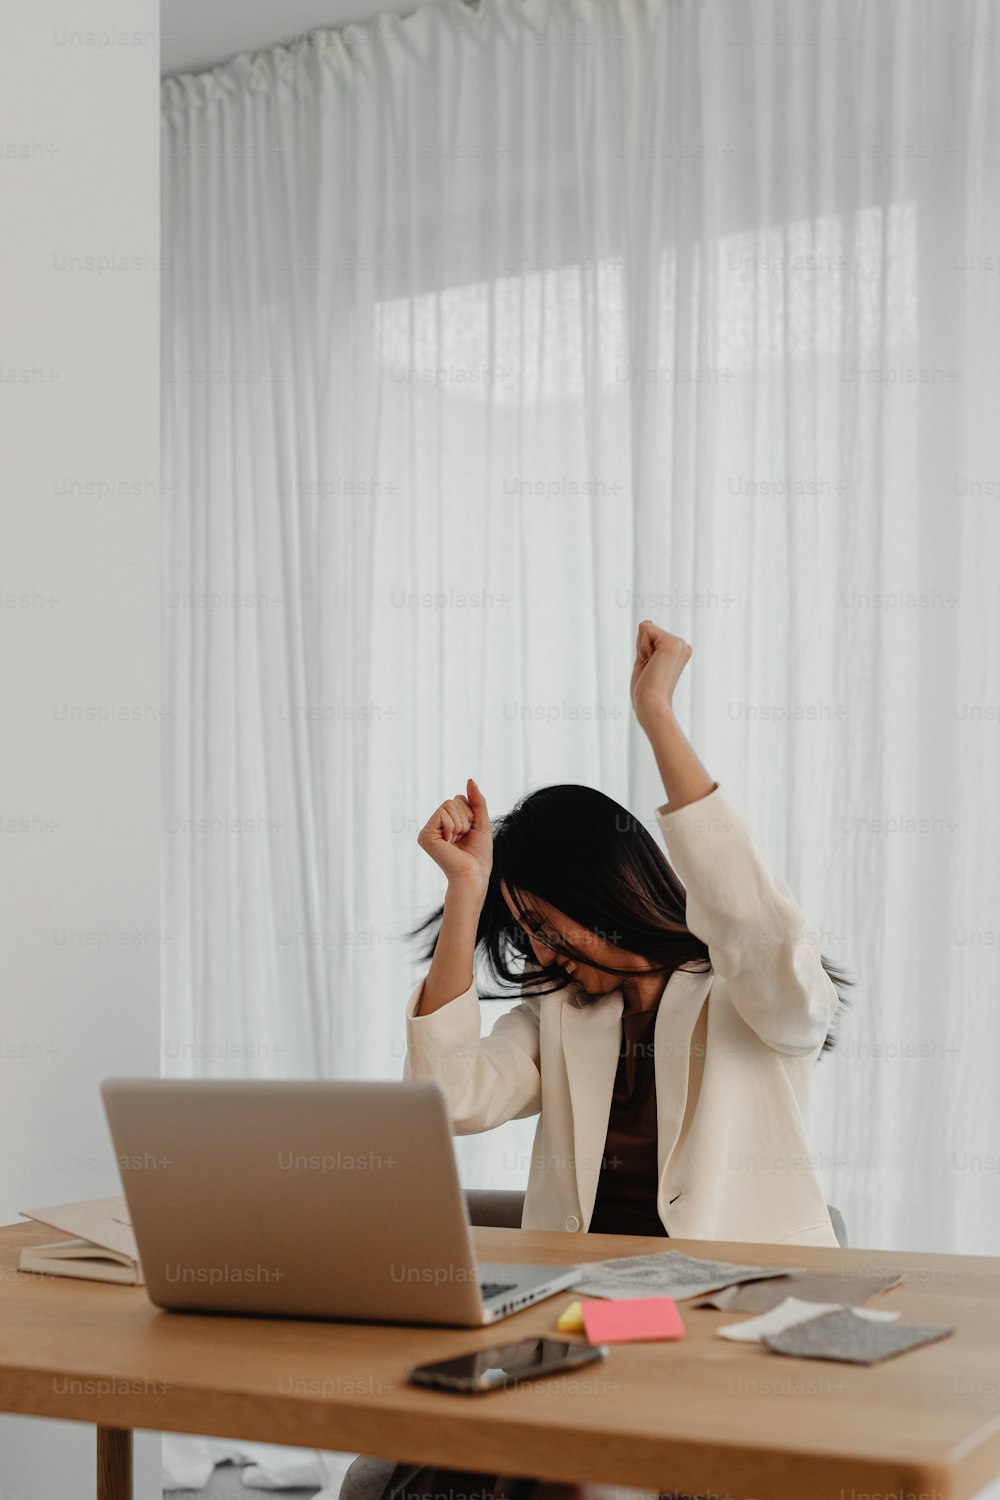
x=755 y=932
x=459 y=840
x=659 y=661
x=486 y=1080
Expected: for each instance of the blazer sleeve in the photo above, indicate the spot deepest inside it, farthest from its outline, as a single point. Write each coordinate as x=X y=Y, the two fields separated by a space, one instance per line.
x=756 y=934
x=486 y=1080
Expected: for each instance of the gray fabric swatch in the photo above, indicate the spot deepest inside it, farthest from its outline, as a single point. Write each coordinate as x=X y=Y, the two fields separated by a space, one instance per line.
x=844 y=1336
x=846 y=1290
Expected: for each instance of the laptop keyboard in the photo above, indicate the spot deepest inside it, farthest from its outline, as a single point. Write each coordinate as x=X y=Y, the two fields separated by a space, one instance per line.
x=494 y=1288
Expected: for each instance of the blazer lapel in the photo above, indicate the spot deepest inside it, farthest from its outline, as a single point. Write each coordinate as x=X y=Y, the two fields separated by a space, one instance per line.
x=591 y=1041
x=678 y=1014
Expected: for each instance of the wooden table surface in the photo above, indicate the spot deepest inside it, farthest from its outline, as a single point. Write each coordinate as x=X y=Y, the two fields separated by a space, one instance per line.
x=702 y=1415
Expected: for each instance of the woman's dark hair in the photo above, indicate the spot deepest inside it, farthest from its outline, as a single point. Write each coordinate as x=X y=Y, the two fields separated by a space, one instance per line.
x=587 y=856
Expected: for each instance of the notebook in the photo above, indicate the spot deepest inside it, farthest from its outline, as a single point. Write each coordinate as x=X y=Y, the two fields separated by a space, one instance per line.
x=102 y=1247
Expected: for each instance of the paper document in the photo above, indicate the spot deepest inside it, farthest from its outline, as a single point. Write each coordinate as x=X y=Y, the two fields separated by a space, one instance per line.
x=102 y=1221
x=666 y=1273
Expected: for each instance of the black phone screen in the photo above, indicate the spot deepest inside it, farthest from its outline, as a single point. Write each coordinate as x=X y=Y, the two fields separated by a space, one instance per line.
x=487 y=1369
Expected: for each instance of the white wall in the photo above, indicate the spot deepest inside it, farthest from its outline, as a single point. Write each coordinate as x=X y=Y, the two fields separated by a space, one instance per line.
x=79 y=669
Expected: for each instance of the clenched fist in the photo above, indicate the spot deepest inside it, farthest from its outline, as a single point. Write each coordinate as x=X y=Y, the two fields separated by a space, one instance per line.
x=458 y=837
x=660 y=659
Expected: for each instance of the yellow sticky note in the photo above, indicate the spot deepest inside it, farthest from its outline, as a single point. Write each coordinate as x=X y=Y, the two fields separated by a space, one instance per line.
x=571 y=1321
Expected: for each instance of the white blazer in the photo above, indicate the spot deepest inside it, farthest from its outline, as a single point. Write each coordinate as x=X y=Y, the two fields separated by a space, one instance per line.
x=734 y=1050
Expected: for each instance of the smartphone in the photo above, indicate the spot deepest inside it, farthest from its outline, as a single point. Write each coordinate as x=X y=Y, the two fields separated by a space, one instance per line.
x=493 y=1369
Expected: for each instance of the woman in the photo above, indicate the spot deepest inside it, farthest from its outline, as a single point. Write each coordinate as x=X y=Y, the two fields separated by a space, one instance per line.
x=665 y=1041
x=666 y=1034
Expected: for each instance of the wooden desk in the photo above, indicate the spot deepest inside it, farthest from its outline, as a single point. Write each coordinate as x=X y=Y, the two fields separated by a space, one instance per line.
x=704 y=1415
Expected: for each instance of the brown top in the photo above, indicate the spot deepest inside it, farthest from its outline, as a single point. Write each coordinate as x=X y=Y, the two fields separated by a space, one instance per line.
x=626 y=1188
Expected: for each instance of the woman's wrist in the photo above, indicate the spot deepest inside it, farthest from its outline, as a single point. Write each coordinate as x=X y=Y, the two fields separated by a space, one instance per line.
x=659 y=717
x=465 y=896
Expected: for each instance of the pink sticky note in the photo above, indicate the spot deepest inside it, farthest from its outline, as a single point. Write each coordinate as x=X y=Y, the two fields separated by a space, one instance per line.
x=629 y=1321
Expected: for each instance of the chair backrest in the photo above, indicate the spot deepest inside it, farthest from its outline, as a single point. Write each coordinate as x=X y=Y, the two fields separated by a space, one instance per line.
x=492 y=1208
x=839 y=1227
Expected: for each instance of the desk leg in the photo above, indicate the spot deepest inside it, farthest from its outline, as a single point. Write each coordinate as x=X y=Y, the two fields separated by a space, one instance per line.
x=114 y=1463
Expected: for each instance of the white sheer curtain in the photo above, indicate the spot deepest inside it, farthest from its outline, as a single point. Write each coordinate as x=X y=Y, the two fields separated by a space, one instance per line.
x=490 y=331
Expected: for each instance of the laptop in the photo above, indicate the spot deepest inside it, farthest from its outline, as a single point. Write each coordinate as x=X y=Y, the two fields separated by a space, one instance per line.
x=311 y=1200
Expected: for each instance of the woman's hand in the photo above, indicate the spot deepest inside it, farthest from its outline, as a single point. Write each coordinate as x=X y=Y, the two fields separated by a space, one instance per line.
x=459 y=839
x=660 y=659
